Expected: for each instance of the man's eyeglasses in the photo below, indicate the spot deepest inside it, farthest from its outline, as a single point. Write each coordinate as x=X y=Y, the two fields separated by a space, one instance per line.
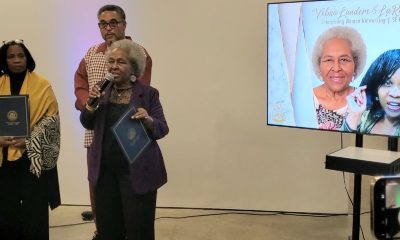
x=16 y=41
x=112 y=24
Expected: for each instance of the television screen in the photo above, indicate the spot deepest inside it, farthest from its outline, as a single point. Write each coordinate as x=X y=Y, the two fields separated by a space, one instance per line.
x=334 y=65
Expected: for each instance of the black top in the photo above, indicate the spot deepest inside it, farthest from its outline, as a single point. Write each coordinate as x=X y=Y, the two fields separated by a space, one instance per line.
x=112 y=154
x=16 y=81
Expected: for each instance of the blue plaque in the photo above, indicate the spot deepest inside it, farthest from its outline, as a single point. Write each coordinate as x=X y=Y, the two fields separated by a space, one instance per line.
x=131 y=135
x=14 y=116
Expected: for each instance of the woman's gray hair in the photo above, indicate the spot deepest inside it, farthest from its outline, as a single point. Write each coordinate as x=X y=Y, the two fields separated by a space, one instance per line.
x=136 y=54
x=358 y=48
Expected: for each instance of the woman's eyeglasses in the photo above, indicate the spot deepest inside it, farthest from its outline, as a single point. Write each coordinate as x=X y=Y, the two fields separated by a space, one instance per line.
x=16 y=41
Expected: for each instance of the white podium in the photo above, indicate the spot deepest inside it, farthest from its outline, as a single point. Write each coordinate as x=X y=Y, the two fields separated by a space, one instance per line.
x=364 y=161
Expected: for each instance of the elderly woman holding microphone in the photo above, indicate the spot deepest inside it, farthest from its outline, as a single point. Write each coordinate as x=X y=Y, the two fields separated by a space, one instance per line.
x=125 y=193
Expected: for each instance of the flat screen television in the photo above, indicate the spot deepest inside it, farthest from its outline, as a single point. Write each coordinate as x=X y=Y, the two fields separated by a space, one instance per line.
x=332 y=65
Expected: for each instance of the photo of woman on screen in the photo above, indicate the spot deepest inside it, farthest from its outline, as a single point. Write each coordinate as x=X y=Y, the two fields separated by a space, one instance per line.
x=338 y=57
x=374 y=107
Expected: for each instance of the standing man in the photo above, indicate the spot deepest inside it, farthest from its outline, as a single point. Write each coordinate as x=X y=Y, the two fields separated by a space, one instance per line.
x=92 y=68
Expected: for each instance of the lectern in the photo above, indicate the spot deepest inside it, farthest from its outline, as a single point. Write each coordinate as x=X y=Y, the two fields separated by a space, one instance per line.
x=360 y=161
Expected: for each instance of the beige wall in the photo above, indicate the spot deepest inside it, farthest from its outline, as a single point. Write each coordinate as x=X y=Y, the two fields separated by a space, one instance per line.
x=210 y=67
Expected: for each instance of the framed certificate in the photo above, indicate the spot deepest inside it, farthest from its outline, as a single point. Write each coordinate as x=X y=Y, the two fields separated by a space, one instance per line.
x=14 y=116
x=131 y=135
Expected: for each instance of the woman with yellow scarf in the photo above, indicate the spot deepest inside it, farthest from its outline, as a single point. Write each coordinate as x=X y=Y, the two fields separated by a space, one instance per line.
x=28 y=166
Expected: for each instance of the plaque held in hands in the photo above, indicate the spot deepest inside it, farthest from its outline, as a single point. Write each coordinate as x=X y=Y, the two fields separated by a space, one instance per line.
x=131 y=135
x=14 y=116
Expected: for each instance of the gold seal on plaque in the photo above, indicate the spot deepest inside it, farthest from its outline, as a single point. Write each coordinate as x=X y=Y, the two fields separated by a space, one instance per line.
x=12 y=116
x=131 y=134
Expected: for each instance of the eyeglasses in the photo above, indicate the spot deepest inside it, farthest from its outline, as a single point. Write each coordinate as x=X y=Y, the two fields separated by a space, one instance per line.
x=112 y=24
x=16 y=41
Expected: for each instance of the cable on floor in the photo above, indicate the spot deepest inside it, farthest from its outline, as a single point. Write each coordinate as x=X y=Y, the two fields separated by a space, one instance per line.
x=226 y=212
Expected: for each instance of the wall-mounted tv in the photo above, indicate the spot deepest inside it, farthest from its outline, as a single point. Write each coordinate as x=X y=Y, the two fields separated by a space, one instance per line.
x=334 y=65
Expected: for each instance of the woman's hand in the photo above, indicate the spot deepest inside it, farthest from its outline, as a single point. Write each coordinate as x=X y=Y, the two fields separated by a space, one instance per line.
x=357 y=101
x=5 y=141
x=95 y=92
x=19 y=142
x=12 y=141
x=357 y=104
x=141 y=113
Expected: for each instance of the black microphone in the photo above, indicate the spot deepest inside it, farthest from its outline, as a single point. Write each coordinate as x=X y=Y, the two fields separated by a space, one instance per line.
x=92 y=102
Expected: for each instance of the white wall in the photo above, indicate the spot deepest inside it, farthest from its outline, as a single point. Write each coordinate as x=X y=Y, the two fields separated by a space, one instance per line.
x=210 y=65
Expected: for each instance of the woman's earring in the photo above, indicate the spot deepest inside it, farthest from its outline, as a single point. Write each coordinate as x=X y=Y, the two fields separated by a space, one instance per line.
x=133 y=78
x=377 y=98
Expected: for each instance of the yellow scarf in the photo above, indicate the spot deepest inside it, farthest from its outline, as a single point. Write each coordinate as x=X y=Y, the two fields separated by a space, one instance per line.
x=42 y=102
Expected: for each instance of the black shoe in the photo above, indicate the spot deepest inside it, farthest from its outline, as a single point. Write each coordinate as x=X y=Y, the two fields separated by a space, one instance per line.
x=87 y=215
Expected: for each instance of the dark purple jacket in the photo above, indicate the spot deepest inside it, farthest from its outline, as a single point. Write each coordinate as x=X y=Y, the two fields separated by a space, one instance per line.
x=148 y=172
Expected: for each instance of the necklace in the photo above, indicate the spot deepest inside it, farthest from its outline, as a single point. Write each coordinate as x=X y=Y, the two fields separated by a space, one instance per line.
x=121 y=95
x=120 y=90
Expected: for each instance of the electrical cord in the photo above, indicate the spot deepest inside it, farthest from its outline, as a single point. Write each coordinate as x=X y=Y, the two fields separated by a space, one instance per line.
x=258 y=213
x=71 y=224
x=226 y=212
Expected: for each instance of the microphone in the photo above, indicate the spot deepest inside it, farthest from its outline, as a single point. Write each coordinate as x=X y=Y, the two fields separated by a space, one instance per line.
x=92 y=102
